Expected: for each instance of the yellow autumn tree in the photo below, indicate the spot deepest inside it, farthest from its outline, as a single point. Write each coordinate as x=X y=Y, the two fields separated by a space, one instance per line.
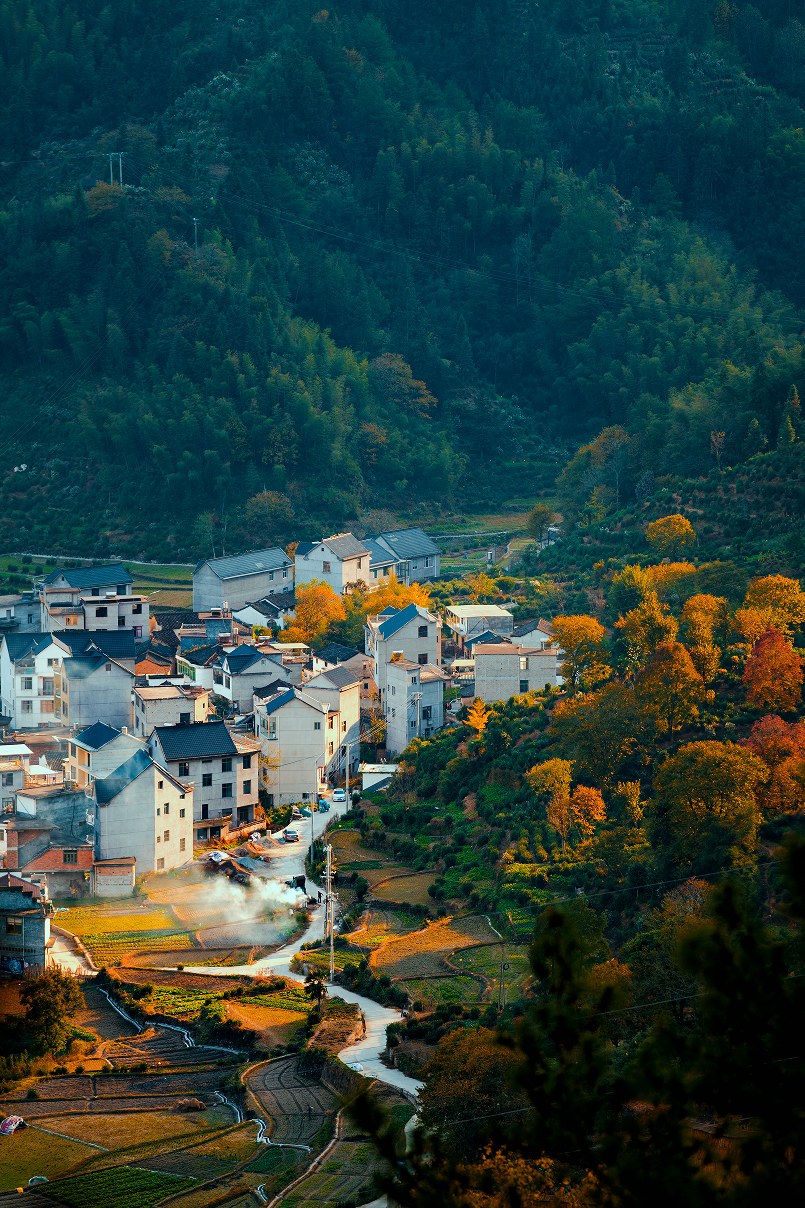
x=317 y=608
x=644 y=629
x=481 y=586
x=752 y=623
x=670 y=687
x=583 y=657
x=669 y=577
x=782 y=597
x=670 y=536
x=477 y=716
x=704 y=616
x=552 y=776
x=394 y=594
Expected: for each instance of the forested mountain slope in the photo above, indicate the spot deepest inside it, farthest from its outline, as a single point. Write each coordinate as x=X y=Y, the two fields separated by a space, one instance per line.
x=432 y=244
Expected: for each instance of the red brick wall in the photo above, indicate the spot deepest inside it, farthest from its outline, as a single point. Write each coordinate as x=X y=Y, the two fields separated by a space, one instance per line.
x=53 y=861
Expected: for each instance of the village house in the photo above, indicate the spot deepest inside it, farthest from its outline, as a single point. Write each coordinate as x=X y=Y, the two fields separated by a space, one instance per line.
x=503 y=670
x=533 y=633
x=232 y=582
x=238 y=672
x=340 y=691
x=471 y=620
x=198 y=665
x=222 y=768
x=25 y=913
x=416 y=555
x=97 y=750
x=93 y=598
x=142 y=810
x=20 y=612
x=91 y=686
x=272 y=612
x=356 y=661
x=412 y=633
x=341 y=560
x=168 y=705
x=28 y=667
x=292 y=727
x=118 y=644
x=414 y=702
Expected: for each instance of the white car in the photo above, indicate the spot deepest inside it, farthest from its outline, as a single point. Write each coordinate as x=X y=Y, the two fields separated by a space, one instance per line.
x=290 y=834
x=339 y=795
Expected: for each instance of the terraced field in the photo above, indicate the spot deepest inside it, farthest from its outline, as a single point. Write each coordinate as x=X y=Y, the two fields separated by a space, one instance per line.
x=111 y=932
x=421 y=953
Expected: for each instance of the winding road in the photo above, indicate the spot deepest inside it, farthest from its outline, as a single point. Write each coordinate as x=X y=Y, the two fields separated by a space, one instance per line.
x=288 y=860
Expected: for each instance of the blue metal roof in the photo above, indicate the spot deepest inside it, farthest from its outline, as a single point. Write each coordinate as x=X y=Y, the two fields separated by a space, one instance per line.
x=96 y=735
x=241 y=565
x=109 y=786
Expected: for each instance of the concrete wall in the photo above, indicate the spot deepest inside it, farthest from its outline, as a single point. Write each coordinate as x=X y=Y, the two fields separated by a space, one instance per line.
x=39 y=704
x=168 y=711
x=408 y=641
x=499 y=676
x=104 y=695
x=301 y=748
x=211 y=592
x=83 y=765
x=340 y=575
x=343 y=725
x=406 y=718
x=134 y=824
x=242 y=778
x=113 y=881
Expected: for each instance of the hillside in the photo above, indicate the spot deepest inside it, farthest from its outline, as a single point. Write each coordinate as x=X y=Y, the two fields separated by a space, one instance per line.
x=370 y=257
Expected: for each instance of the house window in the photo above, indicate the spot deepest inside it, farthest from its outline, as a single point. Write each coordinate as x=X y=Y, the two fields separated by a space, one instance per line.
x=272 y=728
x=205 y=811
x=331 y=748
x=227 y=682
x=414 y=565
x=247 y=786
x=271 y=801
x=393 y=690
x=247 y=761
x=184 y=769
x=285 y=574
x=184 y=720
x=523 y=686
x=366 y=687
x=121 y=622
x=226 y=764
x=243 y=813
x=8 y=780
x=27 y=706
x=136 y=609
x=427 y=712
x=423 y=631
x=413 y=724
x=13 y=926
x=325 y=566
x=344 y=726
x=271 y=576
x=70 y=857
x=393 y=712
x=181 y=844
x=100 y=612
x=524 y=664
x=96 y=591
x=160 y=863
x=121 y=589
x=330 y=721
x=317 y=725
x=428 y=562
x=160 y=784
x=201 y=833
x=108 y=667
x=8 y=805
x=206 y=779
x=181 y=813
x=50 y=662
x=226 y=790
x=159 y=837
x=27 y=683
x=167 y=836
x=422 y=659
x=159 y=811
x=166 y=809
x=47 y=686
x=30 y=618
x=138 y=631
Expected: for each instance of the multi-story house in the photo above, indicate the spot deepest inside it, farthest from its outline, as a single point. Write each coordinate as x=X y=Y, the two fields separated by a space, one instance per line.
x=168 y=705
x=238 y=672
x=223 y=769
x=472 y=620
x=96 y=751
x=29 y=665
x=340 y=691
x=503 y=670
x=533 y=633
x=94 y=598
x=292 y=727
x=231 y=582
x=142 y=810
x=410 y=633
x=198 y=665
x=356 y=661
x=91 y=686
x=271 y=612
x=51 y=835
x=414 y=703
x=25 y=913
x=118 y=644
x=415 y=554
x=20 y=613
x=341 y=560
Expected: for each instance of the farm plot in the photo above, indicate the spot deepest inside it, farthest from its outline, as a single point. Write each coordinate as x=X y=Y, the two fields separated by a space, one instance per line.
x=109 y=934
x=121 y=1187
x=420 y=953
x=346 y=1175
x=486 y=962
x=275 y=1025
x=30 y=1152
x=432 y=991
x=123 y=1131
x=412 y=888
x=299 y=1106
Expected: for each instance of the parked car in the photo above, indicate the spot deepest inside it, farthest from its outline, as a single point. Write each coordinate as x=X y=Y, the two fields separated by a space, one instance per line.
x=339 y=795
x=290 y=834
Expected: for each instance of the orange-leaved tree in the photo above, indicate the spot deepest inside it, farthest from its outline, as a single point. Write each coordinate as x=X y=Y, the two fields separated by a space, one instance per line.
x=317 y=609
x=670 y=687
x=670 y=536
x=783 y=597
x=583 y=657
x=773 y=673
x=781 y=746
x=582 y=808
x=645 y=628
x=477 y=716
x=705 y=618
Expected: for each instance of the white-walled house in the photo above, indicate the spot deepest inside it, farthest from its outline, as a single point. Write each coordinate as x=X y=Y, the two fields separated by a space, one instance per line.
x=168 y=705
x=416 y=555
x=232 y=582
x=89 y=687
x=142 y=810
x=293 y=726
x=20 y=612
x=414 y=703
x=272 y=612
x=533 y=633
x=96 y=751
x=92 y=598
x=238 y=672
x=411 y=633
x=341 y=560
x=117 y=644
x=29 y=664
x=225 y=774
x=340 y=691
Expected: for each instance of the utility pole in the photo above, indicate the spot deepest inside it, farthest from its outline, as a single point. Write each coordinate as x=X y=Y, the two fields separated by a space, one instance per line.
x=330 y=907
x=195 y=233
x=119 y=155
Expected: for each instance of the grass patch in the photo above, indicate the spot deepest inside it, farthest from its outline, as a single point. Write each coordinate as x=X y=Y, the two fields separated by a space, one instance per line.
x=122 y=1187
x=124 y=1131
x=30 y=1152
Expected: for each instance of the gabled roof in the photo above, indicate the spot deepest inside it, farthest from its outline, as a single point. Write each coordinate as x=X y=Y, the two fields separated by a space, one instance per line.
x=291 y=693
x=269 y=606
x=526 y=627
x=9 y=881
x=388 y=628
x=378 y=555
x=242 y=565
x=277 y=685
x=409 y=543
x=336 y=677
x=109 y=786
x=96 y=736
x=240 y=660
x=304 y=547
x=20 y=645
x=345 y=545
x=80 y=666
x=200 y=656
x=336 y=653
x=90 y=576
x=199 y=740
x=483 y=638
x=114 y=643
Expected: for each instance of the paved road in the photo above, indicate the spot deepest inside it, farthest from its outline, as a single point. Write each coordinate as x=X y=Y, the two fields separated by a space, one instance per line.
x=287 y=860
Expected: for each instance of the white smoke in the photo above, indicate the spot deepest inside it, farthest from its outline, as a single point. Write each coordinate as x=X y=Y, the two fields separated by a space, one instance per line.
x=264 y=898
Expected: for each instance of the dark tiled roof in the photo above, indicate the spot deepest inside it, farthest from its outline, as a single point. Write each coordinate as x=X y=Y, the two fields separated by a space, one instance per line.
x=114 y=643
x=21 y=644
x=200 y=656
x=304 y=547
x=240 y=660
x=484 y=638
x=97 y=735
x=174 y=619
x=339 y=677
x=293 y=693
x=409 y=543
x=379 y=556
x=281 y=600
x=241 y=565
x=393 y=624
x=335 y=653
x=200 y=740
x=270 y=689
x=91 y=576
x=109 y=786
x=80 y=666
x=345 y=545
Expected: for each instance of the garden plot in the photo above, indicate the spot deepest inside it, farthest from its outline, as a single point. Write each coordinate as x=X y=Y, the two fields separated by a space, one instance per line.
x=100 y=1018
x=300 y=1107
x=412 y=888
x=485 y=961
x=421 y=953
x=352 y=857
x=111 y=932
x=432 y=991
x=30 y=1152
x=275 y=1024
x=116 y=1131
x=121 y=1187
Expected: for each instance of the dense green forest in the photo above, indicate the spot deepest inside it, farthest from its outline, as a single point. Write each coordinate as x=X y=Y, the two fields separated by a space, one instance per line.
x=393 y=253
